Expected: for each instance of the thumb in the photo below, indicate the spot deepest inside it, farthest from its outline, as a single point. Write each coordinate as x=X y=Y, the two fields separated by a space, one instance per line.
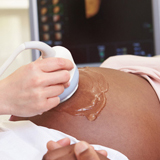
x=84 y=151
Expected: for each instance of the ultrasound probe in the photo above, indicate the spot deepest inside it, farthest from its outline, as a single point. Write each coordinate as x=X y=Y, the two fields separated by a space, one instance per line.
x=47 y=51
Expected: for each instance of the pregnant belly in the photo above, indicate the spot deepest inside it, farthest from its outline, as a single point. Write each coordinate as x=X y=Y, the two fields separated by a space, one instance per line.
x=129 y=121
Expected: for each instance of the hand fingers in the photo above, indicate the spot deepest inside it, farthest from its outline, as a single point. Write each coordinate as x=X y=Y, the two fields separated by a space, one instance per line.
x=103 y=152
x=66 y=85
x=58 y=77
x=79 y=151
x=51 y=103
x=51 y=145
x=64 y=142
x=54 y=64
x=51 y=94
x=84 y=151
x=68 y=156
x=58 y=153
x=52 y=91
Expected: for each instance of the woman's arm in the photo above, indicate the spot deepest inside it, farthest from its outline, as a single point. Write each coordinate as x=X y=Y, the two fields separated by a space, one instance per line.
x=34 y=88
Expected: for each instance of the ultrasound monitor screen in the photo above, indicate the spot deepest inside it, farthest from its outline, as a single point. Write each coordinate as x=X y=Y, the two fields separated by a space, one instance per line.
x=93 y=30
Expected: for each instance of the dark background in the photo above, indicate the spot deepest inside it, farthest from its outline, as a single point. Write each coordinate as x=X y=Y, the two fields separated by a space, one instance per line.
x=121 y=27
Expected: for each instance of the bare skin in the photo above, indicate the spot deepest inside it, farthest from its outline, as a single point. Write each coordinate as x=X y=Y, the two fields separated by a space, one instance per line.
x=29 y=90
x=129 y=122
x=80 y=151
x=71 y=152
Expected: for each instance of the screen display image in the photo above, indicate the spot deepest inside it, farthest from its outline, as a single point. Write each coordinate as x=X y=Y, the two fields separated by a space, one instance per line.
x=93 y=30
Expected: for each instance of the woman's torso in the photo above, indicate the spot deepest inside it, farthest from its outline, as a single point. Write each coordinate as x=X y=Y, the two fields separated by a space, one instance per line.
x=129 y=122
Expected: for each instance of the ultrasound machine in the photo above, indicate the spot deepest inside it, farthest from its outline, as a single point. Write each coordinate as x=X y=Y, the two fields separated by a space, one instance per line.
x=94 y=30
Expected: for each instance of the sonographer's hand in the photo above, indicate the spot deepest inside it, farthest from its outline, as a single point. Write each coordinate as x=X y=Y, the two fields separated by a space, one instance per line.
x=61 y=150
x=34 y=88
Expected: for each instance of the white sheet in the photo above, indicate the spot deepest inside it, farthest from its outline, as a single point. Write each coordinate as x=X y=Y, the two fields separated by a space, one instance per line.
x=4 y=117
x=24 y=140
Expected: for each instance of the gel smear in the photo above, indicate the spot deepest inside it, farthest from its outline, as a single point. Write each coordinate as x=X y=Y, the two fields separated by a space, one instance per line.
x=90 y=98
